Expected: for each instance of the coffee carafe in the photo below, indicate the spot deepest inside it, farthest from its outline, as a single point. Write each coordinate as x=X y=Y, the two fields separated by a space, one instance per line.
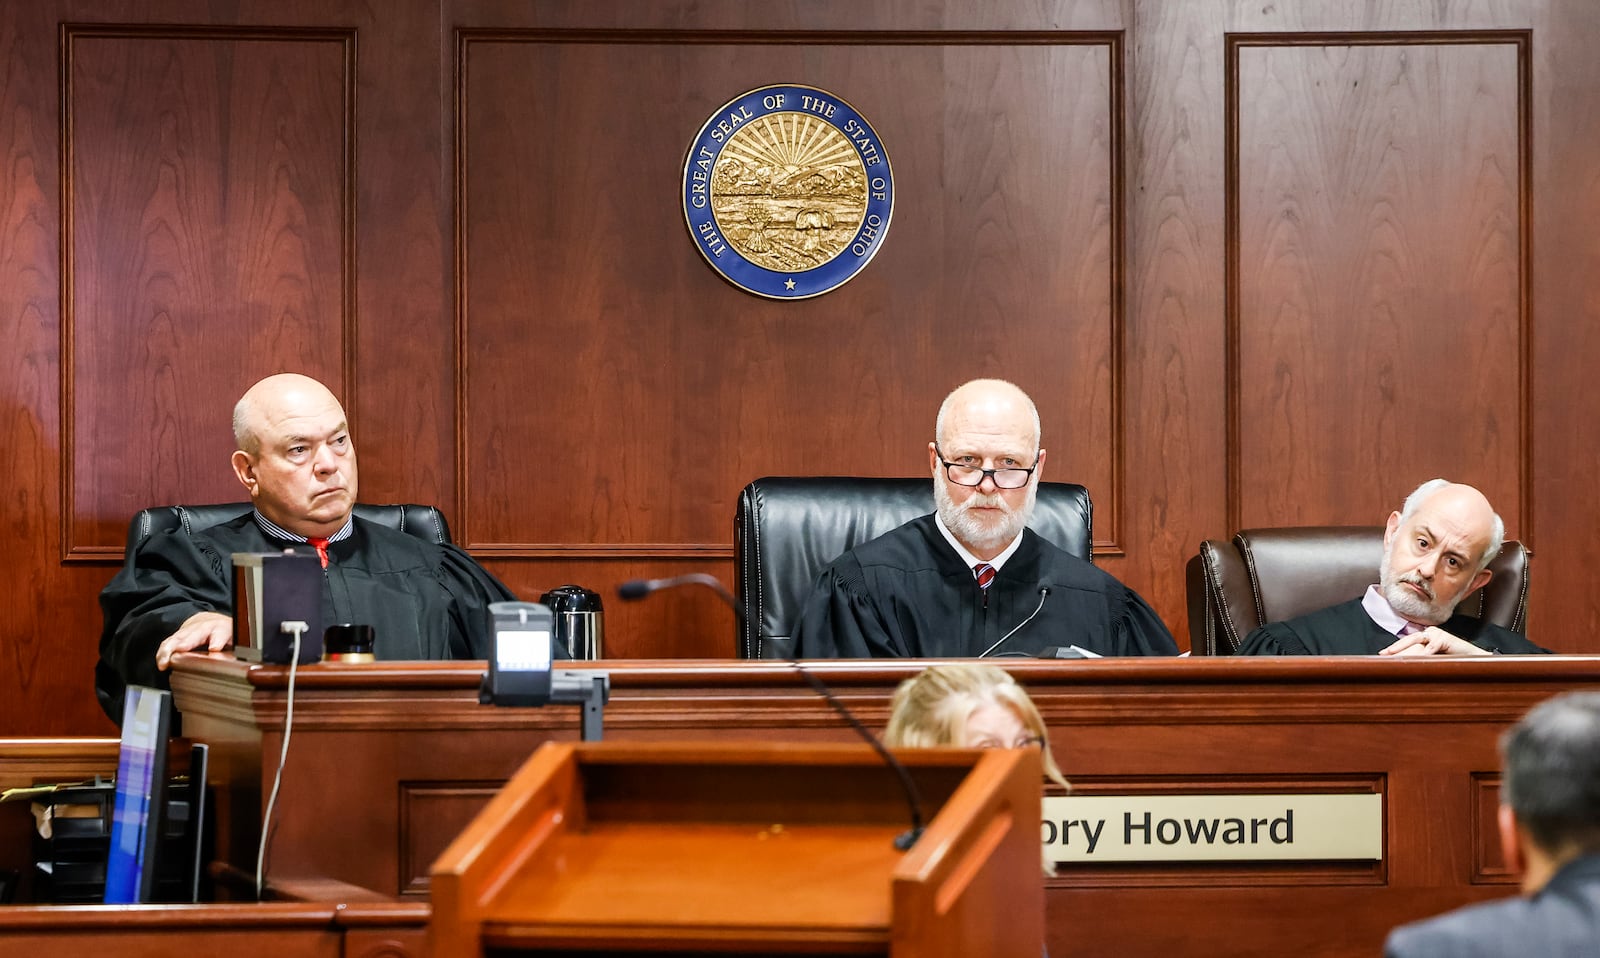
x=580 y=620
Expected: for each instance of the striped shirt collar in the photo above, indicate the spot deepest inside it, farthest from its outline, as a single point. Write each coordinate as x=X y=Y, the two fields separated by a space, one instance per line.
x=279 y=532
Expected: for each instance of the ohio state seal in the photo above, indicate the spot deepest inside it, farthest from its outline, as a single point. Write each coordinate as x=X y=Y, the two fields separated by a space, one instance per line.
x=787 y=192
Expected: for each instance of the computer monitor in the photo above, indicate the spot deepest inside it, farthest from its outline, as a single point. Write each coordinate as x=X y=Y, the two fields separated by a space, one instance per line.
x=141 y=796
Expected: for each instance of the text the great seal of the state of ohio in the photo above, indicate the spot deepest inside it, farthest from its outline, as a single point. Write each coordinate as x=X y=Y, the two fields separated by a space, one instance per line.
x=787 y=191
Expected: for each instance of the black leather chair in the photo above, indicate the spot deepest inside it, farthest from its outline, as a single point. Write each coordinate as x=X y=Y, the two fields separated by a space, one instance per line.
x=787 y=530
x=424 y=522
x=1268 y=575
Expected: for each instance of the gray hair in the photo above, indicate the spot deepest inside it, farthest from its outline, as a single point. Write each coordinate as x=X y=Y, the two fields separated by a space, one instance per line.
x=244 y=436
x=1497 y=528
x=1551 y=761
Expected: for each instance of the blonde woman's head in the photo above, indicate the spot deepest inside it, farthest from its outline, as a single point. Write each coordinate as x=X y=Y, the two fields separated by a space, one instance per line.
x=967 y=706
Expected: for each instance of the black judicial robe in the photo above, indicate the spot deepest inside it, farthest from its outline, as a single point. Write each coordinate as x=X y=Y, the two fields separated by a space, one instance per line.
x=425 y=601
x=1347 y=629
x=907 y=593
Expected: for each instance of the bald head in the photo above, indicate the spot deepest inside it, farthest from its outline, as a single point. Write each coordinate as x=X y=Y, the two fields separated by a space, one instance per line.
x=1465 y=506
x=1436 y=550
x=994 y=404
x=271 y=398
x=295 y=455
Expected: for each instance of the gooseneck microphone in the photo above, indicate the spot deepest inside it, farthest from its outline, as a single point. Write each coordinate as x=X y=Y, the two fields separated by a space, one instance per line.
x=639 y=588
x=1044 y=593
x=635 y=589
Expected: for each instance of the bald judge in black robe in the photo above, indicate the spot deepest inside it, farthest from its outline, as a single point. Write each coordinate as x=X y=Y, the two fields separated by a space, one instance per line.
x=424 y=600
x=1347 y=629
x=908 y=593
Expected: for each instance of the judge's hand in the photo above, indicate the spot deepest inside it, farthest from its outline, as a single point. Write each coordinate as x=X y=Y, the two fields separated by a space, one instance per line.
x=211 y=630
x=1433 y=641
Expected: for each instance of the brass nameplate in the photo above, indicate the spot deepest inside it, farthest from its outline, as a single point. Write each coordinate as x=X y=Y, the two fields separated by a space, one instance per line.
x=1210 y=827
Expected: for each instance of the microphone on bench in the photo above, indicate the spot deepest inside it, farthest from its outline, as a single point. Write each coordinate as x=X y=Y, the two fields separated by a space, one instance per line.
x=1044 y=593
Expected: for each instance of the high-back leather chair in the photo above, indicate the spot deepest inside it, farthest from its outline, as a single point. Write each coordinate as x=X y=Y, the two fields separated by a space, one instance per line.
x=1268 y=575
x=787 y=530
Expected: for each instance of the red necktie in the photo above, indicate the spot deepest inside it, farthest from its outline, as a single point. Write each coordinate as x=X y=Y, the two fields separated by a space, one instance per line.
x=322 y=549
x=985 y=573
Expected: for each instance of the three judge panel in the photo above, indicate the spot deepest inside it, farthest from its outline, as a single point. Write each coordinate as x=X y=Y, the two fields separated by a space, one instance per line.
x=1258 y=266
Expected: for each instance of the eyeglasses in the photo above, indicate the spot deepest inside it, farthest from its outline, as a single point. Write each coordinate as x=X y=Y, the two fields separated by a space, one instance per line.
x=1030 y=741
x=964 y=475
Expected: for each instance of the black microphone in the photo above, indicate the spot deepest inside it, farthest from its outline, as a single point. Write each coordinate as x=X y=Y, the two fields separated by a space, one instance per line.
x=639 y=588
x=635 y=589
x=1044 y=593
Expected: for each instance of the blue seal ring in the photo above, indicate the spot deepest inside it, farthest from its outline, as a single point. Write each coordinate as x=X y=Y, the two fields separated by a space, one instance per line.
x=787 y=191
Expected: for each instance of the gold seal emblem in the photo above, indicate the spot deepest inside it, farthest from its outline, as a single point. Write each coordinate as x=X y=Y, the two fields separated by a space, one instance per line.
x=787 y=192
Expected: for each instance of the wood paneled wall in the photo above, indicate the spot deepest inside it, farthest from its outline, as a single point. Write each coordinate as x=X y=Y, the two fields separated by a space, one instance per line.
x=1259 y=264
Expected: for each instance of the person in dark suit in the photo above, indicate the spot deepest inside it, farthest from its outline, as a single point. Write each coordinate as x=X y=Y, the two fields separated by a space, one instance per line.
x=1550 y=830
x=1436 y=551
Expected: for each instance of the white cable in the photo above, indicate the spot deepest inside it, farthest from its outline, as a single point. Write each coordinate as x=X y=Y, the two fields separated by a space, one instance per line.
x=299 y=629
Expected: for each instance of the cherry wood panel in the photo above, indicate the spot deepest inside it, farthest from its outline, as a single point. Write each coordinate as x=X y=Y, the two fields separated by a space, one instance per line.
x=1422 y=734
x=1386 y=271
x=1566 y=325
x=617 y=393
x=207 y=244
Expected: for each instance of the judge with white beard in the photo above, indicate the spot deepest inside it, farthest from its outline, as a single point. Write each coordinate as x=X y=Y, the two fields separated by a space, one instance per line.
x=1436 y=551
x=971 y=579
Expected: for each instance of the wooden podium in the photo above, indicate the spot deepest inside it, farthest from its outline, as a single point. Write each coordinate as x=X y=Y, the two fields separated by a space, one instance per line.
x=623 y=848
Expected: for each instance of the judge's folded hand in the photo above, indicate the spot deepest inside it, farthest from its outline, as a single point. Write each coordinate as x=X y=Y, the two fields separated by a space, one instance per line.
x=213 y=630
x=1433 y=641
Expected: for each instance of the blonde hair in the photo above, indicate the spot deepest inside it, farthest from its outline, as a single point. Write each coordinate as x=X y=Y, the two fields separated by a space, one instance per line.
x=931 y=709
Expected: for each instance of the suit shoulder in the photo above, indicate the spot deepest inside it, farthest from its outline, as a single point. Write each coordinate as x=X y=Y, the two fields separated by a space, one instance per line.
x=1490 y=928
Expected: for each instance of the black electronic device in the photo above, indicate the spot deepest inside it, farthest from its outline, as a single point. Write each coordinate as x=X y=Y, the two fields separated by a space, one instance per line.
x=519 y=664
x=520 y=673
x=275 y=594
x=197 y=806
x=73 y=845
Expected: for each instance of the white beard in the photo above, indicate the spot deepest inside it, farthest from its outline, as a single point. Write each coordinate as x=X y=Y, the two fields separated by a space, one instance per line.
x=1430 y=610
x=976 y=533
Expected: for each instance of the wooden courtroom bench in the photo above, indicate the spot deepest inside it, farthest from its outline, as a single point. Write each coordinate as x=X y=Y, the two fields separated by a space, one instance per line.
x=390 y=760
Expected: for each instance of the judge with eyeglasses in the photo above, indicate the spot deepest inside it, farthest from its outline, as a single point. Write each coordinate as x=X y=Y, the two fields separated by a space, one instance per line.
x=970 y=579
